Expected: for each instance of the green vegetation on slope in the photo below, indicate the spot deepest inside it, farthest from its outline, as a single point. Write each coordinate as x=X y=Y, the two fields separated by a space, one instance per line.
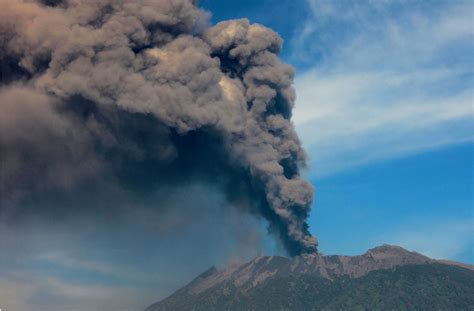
x=416 y=287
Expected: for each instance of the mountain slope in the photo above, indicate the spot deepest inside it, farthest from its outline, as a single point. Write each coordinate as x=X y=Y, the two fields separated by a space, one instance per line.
x=385 y=278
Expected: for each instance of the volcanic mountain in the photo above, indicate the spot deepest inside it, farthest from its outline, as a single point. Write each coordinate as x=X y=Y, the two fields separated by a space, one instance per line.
x=384 y=278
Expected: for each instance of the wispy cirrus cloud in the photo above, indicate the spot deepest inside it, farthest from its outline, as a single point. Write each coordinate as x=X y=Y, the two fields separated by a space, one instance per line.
x=385 y=79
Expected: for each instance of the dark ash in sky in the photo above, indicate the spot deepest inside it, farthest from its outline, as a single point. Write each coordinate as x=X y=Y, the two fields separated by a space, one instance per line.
x=110 y=99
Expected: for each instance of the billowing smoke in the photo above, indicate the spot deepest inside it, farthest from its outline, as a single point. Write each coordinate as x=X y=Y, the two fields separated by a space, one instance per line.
x=100 y=97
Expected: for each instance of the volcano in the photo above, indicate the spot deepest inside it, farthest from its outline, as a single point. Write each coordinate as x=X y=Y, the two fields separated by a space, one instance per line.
x=384 y=278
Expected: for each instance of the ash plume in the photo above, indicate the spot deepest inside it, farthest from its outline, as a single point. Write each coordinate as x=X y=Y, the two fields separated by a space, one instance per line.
x=104 y=96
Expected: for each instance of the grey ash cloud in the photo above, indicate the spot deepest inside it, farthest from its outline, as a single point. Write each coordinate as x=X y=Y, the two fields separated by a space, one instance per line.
x=99 y=98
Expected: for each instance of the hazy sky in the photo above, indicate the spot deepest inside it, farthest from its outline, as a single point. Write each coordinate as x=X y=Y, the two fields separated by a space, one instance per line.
x=384 y=108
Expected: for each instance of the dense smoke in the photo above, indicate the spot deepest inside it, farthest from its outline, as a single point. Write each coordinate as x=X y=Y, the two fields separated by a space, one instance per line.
x=100 y=97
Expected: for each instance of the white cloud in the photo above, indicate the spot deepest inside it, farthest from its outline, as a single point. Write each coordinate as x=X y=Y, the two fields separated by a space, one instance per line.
x=396 y=83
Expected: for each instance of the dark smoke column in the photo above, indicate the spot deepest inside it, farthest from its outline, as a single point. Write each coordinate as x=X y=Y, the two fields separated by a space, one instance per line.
x=112 y=88
x=268 y=144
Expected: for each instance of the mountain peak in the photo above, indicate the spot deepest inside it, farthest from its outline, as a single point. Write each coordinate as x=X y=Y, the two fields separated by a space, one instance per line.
x=388 y=248
x=396 y=254
x=393 y=250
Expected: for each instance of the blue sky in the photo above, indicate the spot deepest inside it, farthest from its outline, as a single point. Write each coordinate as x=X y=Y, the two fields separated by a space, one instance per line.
x=385 y=109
